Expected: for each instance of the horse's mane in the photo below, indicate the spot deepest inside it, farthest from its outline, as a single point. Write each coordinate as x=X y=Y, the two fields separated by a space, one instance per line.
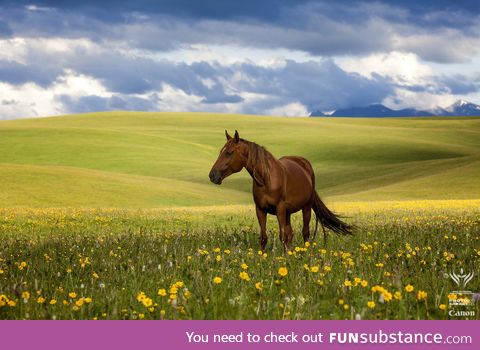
x=258 y=158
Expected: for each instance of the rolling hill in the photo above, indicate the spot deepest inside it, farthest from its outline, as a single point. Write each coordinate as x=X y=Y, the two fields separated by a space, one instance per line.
x=136 y=159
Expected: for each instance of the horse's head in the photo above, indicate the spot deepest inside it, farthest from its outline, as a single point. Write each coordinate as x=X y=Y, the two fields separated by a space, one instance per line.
x=231 y=160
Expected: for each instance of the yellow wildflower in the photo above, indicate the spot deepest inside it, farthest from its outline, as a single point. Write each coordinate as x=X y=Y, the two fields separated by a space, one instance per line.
x=442 y=307
x=314 y=269
x=387 y=296
x=147 y=302
x=283 y=271
x=26 y=295
x=244 y=276
x=422 y=295
x=40 y=300
x=409 y=288
x=53 y=302
x=244 y=266
x=259 y=286
x=371 y=304
x=217 y=280
x=162 y=292
x=72 y=295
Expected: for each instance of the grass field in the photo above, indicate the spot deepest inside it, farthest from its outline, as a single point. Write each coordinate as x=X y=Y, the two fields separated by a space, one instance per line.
x=203 y=263
x=126 y=159
x=112 y=216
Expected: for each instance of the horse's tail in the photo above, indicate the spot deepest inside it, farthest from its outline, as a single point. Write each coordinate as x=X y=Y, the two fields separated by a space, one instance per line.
x=328 y=219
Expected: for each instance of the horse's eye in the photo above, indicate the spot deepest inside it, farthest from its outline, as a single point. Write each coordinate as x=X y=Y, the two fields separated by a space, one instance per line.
x=229 y=153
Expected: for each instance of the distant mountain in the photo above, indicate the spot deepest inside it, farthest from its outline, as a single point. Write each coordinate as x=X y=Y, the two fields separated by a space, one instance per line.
x=459 y=108
x=463 y=108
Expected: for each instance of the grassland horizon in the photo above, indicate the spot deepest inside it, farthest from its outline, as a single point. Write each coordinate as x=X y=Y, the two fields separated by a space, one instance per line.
x=140 y=159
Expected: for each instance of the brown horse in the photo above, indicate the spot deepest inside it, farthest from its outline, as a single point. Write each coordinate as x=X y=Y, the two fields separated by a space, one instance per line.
x=281 y=187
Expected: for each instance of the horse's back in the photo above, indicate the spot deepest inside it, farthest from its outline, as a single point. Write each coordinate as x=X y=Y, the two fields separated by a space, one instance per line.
x=299 y=161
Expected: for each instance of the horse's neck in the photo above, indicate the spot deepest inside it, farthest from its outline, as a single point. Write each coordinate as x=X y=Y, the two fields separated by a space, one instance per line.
x=257 y=171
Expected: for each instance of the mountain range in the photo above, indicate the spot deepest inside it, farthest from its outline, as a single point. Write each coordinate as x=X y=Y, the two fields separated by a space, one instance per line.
x=460 y=108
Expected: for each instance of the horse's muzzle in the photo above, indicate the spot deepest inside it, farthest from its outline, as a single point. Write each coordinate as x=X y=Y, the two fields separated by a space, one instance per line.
x=215 y=177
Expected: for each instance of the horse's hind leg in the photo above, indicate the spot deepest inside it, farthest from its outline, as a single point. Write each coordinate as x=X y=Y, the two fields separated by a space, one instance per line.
x=307 y=215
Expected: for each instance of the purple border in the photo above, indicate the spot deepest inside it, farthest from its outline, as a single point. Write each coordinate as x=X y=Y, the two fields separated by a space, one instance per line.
x=119 y=335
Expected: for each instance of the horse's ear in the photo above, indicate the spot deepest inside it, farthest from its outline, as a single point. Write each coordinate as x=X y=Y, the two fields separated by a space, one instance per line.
x=227 y=136
x=237 y=137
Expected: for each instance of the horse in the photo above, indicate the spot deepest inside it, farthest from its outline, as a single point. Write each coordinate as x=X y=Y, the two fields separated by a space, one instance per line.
x=281 y=187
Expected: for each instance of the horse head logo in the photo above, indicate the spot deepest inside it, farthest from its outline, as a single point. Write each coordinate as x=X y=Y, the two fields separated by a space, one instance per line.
x=462 y=279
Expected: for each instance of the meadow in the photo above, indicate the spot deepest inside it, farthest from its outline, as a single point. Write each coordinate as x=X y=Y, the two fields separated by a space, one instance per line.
x=149 y=160
x=111 y=216
x=204 y=263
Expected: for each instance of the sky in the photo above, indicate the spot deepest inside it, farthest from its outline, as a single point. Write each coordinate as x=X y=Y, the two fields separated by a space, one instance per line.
x=283 y=57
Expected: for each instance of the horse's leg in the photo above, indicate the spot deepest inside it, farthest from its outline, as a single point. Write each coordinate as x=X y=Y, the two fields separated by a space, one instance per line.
x=288 y=231
x=262 y=221
x=307 y=214
x=282 y=222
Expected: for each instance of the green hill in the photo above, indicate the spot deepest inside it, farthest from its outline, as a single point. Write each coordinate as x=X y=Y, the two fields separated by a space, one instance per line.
x=134 y=159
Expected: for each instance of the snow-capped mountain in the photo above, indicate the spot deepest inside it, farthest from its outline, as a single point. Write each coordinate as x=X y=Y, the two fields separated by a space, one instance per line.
x=461 y=108
x=464 y=108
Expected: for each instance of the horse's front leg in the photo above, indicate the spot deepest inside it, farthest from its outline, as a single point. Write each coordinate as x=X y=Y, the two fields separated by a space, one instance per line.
x=288 y=231
x=262 y=221
x=282 y=223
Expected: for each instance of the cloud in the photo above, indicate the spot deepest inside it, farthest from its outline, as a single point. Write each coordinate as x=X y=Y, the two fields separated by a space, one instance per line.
x=93 y=103
x=17 y=73
x=84 y=76
x=5 y=30
x=271 y=57
x=432 y=30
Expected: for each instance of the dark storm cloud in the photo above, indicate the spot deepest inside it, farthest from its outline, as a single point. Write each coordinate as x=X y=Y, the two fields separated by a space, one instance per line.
x=265 y=10
x=5 y=30
x=18 y=73
x=92 y=103
x=316 y=85
x=459 y=84
x=317 y=27
x=115 y=42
